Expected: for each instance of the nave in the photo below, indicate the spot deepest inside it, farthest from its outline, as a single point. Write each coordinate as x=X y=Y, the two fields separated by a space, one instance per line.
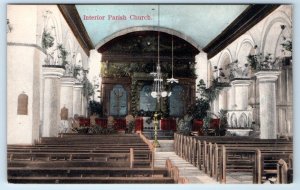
x=76 y=158
x=164 y=100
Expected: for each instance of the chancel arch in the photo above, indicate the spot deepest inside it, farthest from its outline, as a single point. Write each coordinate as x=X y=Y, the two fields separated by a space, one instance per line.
x=148 y=28
x=133 y=56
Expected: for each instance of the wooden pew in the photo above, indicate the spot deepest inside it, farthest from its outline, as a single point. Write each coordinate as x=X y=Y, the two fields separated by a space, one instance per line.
x=206 y=151
x=85 y=159
x=91 y=180
x=284 y=172
x=86 y=171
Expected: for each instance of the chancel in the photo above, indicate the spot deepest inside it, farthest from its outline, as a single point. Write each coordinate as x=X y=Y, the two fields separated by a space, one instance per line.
x=150 y=93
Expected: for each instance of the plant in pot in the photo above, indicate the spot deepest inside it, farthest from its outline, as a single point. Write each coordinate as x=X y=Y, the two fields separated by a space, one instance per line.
x=63 y=53
x=260 y=62
x=237 y=70
x=223 y=122
x=47 y=42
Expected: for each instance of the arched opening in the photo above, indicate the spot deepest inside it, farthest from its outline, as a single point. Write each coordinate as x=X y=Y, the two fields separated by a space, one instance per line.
x=130 y=58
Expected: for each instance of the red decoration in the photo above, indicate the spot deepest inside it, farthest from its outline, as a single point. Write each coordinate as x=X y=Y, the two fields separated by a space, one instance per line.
x=197 y=125
x=138 y=124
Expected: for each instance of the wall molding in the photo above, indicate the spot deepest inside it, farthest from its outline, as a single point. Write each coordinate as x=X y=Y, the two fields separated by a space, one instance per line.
x=26 y=45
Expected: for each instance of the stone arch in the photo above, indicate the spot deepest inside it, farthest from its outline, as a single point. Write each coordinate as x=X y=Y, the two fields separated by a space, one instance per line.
x=210 y=73
x=224 y=59
x=52 y=20
x=78 y=60
x=244 y=49
x=242 y=123
x=148 y=28
x=245 y=38
x=233 y=121
x=276 y=20
x=69 y=48
x=22 y=108
x=250 y=119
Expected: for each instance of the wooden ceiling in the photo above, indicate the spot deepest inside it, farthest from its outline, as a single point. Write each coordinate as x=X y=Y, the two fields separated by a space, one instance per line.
x=142 y=47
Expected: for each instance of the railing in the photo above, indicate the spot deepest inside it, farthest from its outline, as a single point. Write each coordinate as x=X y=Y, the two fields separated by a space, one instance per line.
x=220 y=155
x=151 y=147
x=174 y=173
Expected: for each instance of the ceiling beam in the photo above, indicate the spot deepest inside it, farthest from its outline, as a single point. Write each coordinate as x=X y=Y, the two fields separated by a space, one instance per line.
x=73 y=19
x=244 y=22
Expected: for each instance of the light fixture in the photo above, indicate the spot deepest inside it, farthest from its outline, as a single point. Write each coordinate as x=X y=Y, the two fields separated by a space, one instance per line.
x=172 y=80
x=158 y=87
x=8 y=26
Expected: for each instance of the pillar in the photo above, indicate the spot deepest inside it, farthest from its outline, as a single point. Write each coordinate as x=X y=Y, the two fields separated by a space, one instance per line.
x=241 y=91
x=223 y=99
x=84 y=106
x=267 y=108
x=51 y=102
x=77 y=99
x=230 y=98
x=66 y=94
x=201 y=69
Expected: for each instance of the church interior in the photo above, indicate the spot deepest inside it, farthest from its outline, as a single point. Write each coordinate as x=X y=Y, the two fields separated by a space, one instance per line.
x=150 y=94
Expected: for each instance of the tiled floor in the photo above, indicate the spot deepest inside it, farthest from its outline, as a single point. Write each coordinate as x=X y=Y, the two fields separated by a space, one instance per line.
x=192 y=173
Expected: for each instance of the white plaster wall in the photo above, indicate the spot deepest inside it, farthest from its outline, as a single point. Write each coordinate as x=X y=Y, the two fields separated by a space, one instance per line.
x=94 y=72
x=23 y=20
x=20 y=127
x=23 y=74
x=265 y=35
x=24 y=66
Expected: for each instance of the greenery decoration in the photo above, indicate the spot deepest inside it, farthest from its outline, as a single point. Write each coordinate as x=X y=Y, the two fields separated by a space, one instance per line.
x=47 y=40
x=259 y=62
x=184 y=125
x=76 y=70
x=237 y=71
x=211 y=93
x=119 y=70
x=62 y=54
x=88 y=88
x=134 y=97
x=95 y=107
x=287 y=44
x=223 y=121
x=131 y=126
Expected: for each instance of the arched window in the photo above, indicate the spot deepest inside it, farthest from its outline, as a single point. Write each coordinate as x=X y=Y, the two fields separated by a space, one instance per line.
x=118 y=101
x=176 y=103
x=147 y=102
x=22 y=104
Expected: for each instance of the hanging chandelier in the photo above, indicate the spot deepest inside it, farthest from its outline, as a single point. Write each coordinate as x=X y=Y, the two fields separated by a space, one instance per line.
x=158 y=86
x=172 y=80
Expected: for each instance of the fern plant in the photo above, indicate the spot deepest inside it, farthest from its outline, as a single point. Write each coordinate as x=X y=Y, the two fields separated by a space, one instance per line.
x=47 y=40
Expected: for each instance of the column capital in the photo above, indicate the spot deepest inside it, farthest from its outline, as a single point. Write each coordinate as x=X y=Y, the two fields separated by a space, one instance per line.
x=267 y=76
x=67 y=81
x=53 y=72
x=241 y=82
x=78 y=85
